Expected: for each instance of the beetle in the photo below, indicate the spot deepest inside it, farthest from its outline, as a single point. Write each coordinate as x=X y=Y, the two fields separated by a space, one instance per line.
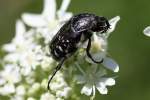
x=75 y=31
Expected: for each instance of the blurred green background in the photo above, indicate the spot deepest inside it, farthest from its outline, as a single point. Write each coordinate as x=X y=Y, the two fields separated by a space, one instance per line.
x=127 y=45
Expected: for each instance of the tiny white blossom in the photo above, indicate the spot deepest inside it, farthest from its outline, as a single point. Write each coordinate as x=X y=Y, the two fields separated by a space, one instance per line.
x=146 y=31
x=20 y=90
x=32 y=57
x=30 y=77
x=21 y=41
x=99 y=47
x=44 y=83
x=7 y=89
x=20 y=44
x=46 y=63
x=59 y=85
x=34 y=88
x=64 y=93
x=18 y=39
x=25 y=50
x=15 y=76
x=94 y=78
x=47 y=96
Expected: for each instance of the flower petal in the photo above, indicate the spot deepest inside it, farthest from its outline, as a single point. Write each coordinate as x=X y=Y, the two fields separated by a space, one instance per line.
x=147 y=31
x=33 y=20
x=109 y=81
x=49 y=10
x=62 y=14
x=12 y=57
x=102 y=88
x=2 y=80
x=110 y=64
x=113 y=23
x=87 y=90
x=9 y=47
x=20 y=28
x=64 y=5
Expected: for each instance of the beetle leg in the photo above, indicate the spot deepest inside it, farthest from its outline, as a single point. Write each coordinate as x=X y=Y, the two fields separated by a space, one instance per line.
x=55 y=71
x=88 y=52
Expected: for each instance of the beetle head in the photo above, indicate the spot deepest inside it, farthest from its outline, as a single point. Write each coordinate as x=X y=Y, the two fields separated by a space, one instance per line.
x=102 y=25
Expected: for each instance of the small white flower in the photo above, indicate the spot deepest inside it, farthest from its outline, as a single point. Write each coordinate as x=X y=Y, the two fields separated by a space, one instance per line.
x=99 y=47
x=20 y=44
x=46 y=63
x=7 y=89
x=20 y=90
x=31 y=57
x=94 y=78
x=34 y=88
x=47 y=96
x=15 y=76
x=60 y=86
x=30 y=77
x=99 y=52
x=147 y=31
x=63 y=93
x=58 y=83
x=24 y=50
x=18 y=39
x=44 y=83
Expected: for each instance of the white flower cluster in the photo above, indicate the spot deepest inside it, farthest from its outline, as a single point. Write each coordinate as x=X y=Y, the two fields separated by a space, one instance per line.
x=26 y=66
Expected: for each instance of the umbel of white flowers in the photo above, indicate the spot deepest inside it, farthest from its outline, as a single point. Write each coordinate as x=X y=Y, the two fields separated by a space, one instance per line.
x=26 y=66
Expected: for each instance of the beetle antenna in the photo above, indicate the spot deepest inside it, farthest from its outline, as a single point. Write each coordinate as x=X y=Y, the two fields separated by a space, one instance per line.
x=55 y=71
